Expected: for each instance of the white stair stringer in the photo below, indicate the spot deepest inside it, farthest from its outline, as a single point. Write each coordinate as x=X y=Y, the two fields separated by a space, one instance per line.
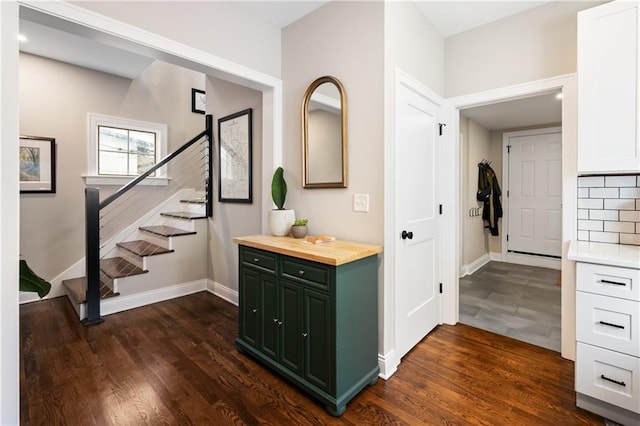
x=153 y=217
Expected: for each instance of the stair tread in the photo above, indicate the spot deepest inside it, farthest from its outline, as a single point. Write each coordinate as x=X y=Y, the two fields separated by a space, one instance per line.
x=143 y=248
x=195 y=201
x=184 y=215
x=166 y=231
x=77 y=288
x=118 y=267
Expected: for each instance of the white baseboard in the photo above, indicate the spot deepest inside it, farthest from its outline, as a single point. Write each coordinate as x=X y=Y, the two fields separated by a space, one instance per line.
x=223 y=292
x=475 y=265
x=74 y=271
x=388 y=365
x=495 y=257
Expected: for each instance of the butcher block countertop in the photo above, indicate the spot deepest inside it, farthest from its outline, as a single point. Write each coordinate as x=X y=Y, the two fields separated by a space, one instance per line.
x=334 y=253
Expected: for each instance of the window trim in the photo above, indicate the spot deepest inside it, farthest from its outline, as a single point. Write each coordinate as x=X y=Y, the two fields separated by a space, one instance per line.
x=94 y=120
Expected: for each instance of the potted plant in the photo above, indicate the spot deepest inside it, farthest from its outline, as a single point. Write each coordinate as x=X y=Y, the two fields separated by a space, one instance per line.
x=31 y=282
x=280 y=219
x=299 y=228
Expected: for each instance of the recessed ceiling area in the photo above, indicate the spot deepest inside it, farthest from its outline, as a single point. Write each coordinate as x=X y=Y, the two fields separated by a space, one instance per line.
x=62 y=46
x=528 y=112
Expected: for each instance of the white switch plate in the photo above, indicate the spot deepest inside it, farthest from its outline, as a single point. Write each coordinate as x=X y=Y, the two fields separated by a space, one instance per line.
x=360 y=202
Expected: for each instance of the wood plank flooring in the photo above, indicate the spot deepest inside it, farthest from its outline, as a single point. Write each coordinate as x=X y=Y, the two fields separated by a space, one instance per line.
x=175 y=363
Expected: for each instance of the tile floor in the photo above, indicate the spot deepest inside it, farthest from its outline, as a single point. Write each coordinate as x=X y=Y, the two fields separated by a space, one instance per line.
x=518 y=301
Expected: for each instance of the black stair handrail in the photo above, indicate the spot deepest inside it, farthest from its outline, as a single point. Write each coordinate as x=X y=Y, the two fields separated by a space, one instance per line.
x=92 y=218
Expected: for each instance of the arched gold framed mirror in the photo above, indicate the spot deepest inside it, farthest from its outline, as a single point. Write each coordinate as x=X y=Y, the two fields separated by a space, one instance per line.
x=324 y=134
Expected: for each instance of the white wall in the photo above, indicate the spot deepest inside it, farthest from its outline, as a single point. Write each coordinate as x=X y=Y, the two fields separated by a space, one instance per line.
x=233 y=219
x=216 y=27
x=533 y=45
x=9 y=216
x=52 y=225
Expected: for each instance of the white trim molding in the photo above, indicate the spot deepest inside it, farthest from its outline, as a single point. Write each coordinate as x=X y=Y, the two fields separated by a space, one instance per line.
x=475 y=265
x=568 y=85
x=223 y=292
x=388 y=364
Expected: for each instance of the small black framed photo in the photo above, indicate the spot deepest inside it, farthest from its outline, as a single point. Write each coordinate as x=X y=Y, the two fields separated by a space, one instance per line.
x=198 y=101
x=37 y=165
x=234 y=152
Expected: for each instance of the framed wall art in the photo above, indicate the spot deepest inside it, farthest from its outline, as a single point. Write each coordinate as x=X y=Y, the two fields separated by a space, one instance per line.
x=37 y=164
x=234 y=153
x=198 y=101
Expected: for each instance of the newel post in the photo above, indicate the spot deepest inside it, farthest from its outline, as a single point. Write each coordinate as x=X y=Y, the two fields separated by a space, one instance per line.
x=92 y=256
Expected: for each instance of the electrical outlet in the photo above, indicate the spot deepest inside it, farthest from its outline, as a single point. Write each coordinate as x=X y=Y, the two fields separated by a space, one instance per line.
x=361 y=202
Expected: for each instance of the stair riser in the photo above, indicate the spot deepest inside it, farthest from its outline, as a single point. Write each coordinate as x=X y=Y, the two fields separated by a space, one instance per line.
x=193 y=208
x=185 y=224
x=139 y=261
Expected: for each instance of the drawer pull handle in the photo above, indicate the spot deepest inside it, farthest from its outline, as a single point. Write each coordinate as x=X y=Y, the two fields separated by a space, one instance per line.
x=603 y=377
x=612 y=325
x=255 y=259
x=300 y=272
x=613 y=282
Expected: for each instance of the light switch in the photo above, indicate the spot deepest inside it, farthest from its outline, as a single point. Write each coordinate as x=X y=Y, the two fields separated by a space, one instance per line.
x=360 y=202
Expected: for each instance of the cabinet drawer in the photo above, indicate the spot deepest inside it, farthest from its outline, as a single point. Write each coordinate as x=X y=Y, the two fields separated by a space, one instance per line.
x=608 y=280
x=608 y=322
x=609 y=376
x=314 y=274
x=258 y=258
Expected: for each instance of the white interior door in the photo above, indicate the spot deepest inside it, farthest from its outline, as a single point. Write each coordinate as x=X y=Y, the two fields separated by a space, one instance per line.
x=535 y=192
x=417 y=267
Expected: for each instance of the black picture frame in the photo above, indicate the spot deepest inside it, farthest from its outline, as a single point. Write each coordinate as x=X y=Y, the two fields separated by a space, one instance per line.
x=198 y=101
x=235 y=158
x=37 y=165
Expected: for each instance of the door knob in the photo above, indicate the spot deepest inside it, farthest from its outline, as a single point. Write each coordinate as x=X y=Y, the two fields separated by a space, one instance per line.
x=406 y=235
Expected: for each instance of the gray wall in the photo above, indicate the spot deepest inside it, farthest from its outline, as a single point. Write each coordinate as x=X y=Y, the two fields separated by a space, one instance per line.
x=233 y=219
x=54 y=101
x=536 y=44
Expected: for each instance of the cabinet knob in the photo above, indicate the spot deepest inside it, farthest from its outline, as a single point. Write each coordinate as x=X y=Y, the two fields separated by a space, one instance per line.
x=275 y=320
x=279 y=322
x=304 y=335
x=255 y=259
x=254 y=310
x=300 y=272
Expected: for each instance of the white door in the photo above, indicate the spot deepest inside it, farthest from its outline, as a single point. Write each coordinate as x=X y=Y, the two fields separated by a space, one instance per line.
x=535 y=192
x=417 y=215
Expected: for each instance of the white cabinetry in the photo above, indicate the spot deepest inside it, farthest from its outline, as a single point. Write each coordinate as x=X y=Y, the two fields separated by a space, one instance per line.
x=608 y=102
x=608 y=348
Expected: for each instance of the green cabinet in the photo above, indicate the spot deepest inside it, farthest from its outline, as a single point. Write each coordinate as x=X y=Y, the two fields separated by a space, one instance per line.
x=315 y=324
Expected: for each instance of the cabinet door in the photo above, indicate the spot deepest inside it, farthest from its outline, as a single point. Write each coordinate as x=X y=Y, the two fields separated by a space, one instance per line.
x=270 y=319
x=291 y=326
x=318 y=339
x=608 y=88
x=250 y=314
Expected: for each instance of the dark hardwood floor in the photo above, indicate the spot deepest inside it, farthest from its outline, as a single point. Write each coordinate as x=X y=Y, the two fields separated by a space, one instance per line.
x=175 y=363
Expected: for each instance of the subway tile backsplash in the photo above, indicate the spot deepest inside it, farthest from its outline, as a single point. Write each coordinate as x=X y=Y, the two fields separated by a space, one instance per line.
x=609 y=209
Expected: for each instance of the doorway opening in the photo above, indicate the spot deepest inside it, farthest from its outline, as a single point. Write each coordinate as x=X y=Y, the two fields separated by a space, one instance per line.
x=510 y=263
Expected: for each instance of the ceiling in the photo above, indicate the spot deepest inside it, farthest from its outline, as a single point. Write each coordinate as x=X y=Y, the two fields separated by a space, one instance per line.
x=448 y=17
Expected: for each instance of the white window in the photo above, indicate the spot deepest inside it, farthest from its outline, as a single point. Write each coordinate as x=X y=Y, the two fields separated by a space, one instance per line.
x=120 y=149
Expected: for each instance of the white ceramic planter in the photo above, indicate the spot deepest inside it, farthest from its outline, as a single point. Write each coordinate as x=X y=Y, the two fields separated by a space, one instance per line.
x=280 y=222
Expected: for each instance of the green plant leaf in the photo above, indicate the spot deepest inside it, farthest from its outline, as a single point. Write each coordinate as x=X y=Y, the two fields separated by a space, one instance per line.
x=31 y=282
x=279 y=188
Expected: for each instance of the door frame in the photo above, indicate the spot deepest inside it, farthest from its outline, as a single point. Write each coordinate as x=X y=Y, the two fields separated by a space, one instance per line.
x=568 y=85
x=388 y=358
x=521 y=259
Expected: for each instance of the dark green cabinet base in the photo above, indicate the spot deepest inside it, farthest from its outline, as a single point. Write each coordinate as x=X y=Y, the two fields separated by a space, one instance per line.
x=312 y=323
x=335 y=406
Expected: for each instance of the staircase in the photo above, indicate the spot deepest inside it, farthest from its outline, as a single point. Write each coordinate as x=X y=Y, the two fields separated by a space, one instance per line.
x=149 y=256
